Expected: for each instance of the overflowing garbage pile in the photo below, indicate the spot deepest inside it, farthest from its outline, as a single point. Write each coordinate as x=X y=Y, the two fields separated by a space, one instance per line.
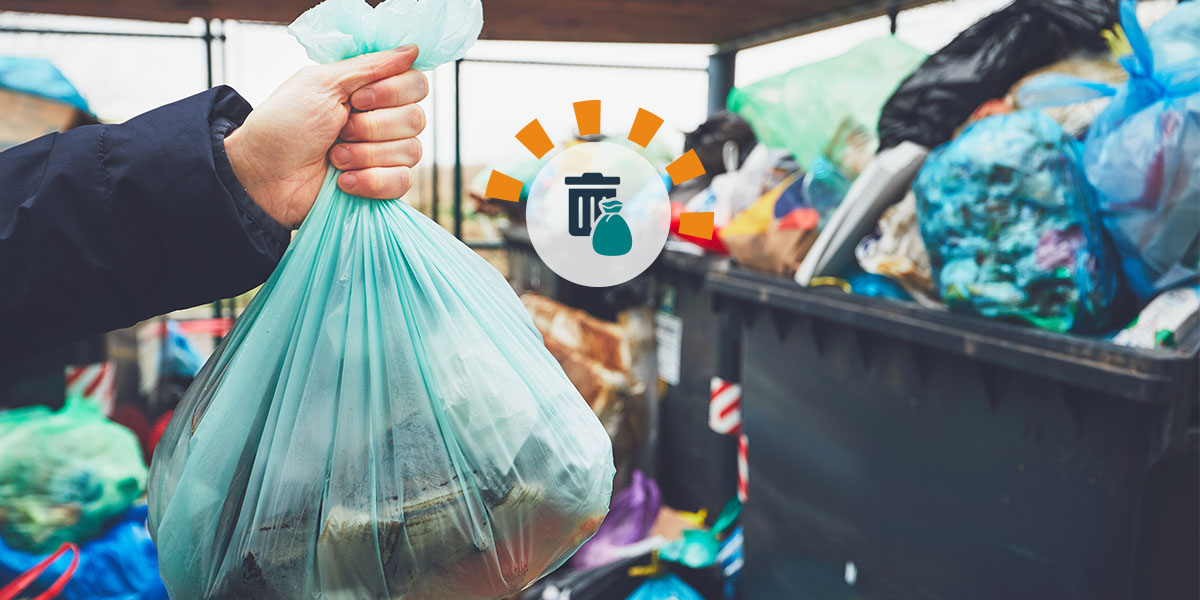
x=1042 y=168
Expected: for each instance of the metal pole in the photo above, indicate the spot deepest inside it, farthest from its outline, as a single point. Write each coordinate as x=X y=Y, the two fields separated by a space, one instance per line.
x=217 y=308
x=458 y=188
x=433 y=201
x=720 y=79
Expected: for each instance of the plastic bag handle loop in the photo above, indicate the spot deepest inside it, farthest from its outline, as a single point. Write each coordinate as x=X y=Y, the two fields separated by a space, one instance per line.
x=10 y=591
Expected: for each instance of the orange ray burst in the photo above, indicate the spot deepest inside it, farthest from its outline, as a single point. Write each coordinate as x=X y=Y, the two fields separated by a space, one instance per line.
x=685 y=167
x=503 y=187
x=534 y=138
x=645 y=125
x=587 y=115
x=696 y=224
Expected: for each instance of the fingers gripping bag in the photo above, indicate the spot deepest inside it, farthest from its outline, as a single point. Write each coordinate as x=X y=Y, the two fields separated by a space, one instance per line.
x=384 y=420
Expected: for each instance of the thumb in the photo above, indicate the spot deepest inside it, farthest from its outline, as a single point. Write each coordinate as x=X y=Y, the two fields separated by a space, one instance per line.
x=353 y=73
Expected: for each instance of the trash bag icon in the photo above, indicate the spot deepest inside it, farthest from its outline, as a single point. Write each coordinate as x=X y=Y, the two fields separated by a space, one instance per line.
x=611 y=235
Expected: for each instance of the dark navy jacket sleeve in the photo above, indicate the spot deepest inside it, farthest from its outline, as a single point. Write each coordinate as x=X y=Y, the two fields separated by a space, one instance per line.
x=106 y=225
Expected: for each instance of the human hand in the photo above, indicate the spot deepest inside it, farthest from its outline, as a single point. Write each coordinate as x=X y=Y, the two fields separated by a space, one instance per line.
x=279 y=153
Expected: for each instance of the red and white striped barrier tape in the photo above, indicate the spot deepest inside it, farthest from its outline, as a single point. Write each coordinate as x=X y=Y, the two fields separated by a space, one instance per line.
x=725 y=407
x=743 y=463
x=725 y=417
x=96 y=383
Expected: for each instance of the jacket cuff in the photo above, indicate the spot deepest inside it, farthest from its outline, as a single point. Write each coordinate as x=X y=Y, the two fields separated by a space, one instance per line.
x=222 y=127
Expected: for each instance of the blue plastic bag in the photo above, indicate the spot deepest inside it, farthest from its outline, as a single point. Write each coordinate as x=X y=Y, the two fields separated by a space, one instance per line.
x=122 y=564
x=1143 y=152
x=665 y=587
x=1010 y=224
x=384 y=420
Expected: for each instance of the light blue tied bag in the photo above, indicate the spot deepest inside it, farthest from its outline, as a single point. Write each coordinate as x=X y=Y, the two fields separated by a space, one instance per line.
x=384 y=420
x=1142 y=153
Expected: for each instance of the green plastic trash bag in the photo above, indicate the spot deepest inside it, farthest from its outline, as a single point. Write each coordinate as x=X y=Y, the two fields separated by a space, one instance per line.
x=1011 y=227
x=383 y=421
x=442 y=30
x=801 y=110
x=611 y=236
x=64 y=475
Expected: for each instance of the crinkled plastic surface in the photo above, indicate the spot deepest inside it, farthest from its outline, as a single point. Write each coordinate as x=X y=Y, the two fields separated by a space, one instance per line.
x=443 y=30
x=384 y=420
x=1009 y=222
x=802 y=110
x=64 y=475
x=1143 y=154
x=984 y=61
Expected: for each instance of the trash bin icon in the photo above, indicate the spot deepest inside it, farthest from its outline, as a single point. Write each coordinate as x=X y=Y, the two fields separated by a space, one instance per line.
x=595 y=211
x=585 y=193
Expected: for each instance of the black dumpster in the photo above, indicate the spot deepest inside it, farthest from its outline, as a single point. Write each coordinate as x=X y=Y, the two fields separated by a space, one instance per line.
x=697 y=468
x=899 y=453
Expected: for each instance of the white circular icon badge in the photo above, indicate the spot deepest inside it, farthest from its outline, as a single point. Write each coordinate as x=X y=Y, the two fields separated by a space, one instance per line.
x=598 y=214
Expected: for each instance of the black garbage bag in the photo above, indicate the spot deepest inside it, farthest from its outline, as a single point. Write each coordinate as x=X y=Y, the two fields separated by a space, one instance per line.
x=984 y=61
x=709 y=139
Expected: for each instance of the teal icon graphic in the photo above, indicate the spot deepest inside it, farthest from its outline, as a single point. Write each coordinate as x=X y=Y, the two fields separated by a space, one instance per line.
x=595 y=211
x=611 y=236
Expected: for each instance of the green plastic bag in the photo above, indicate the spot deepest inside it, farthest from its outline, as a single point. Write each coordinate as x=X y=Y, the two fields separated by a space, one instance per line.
x=64 y=475
x=801 y=110
x=384 y=420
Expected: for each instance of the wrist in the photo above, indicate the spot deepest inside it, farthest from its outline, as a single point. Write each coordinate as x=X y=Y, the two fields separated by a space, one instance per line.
x=247 y=173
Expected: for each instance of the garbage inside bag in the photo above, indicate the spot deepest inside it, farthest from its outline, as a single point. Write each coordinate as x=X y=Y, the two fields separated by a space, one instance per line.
x=1171 y=318
x=121 y=564
x=64 y=475
x=1075 y=117
x=896 y=250
x=383 y=421
x=803 y=109
x=1010 y=225
x=1143 y=152
x=984 y=61
x=630 y=519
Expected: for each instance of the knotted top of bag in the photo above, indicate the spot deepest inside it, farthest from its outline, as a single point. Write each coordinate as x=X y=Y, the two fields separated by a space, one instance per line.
x=442 y=30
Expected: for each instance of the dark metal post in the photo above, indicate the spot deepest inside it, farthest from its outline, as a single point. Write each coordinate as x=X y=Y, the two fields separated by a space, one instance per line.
x=458 y=187
x=208 y=74
x=720 y=78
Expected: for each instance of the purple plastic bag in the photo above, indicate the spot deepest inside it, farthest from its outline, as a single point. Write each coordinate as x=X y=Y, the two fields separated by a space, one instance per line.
x=630 y=518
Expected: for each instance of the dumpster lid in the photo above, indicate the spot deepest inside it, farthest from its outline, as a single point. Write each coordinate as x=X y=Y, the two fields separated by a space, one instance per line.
x=1135 y=373
x=593 y=179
